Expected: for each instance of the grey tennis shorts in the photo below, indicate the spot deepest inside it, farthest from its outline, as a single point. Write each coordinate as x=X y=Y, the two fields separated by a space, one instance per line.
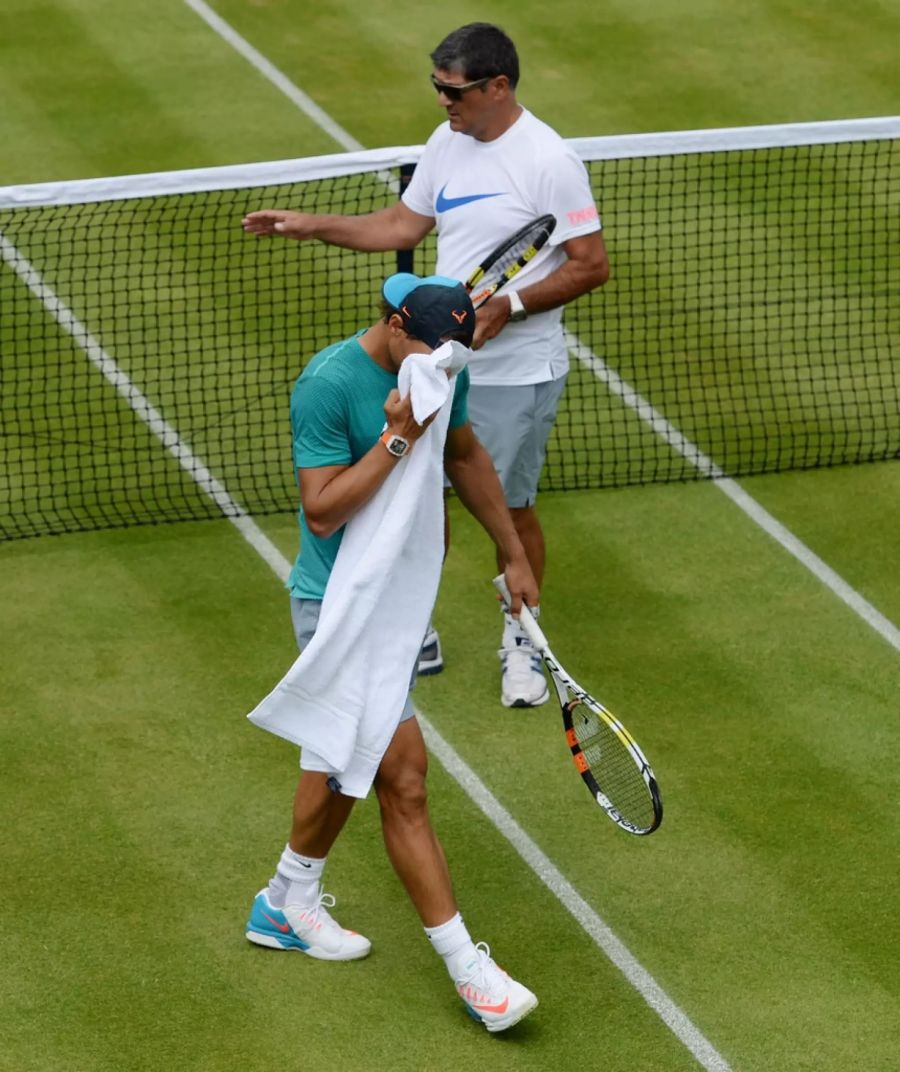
x=514 y=424
x=305 y=618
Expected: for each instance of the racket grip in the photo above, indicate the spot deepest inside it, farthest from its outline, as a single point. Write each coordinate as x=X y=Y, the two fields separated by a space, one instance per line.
x=501 y=586
x=526 y=618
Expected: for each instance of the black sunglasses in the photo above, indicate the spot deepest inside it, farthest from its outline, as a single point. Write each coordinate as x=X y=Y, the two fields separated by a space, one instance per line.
x=455 y=92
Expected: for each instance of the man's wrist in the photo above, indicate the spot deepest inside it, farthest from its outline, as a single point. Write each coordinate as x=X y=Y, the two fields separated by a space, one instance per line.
x=513 y=554
x=396 y=445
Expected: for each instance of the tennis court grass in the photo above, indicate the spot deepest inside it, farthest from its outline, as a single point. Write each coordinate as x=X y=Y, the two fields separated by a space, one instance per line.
x=143 y=812
x=150 y=811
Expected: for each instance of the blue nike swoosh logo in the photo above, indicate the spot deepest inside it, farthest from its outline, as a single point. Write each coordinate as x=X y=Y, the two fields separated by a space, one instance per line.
x=444 y=204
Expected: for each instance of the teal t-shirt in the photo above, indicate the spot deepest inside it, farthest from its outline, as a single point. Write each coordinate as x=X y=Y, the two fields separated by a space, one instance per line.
x=337 y=414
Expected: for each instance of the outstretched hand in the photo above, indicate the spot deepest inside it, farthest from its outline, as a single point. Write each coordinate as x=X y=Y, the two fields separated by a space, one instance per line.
x=272 y=221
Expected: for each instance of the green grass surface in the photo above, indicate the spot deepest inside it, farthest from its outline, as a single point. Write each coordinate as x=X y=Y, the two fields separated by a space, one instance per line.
x=176 y=96
x=142 y=810
x=149 y=811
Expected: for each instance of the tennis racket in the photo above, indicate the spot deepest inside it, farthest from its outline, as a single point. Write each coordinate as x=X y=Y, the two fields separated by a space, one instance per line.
x=608 y=758
x=508 y=259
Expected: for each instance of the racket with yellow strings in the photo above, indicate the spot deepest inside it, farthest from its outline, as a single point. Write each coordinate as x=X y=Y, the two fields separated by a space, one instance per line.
x=612 y=766
x=508 y=259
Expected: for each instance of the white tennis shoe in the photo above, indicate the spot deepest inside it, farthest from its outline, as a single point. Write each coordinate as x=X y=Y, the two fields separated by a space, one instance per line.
x=311 y=930
x=522 y=681
x=490 y=995
x=431 y=660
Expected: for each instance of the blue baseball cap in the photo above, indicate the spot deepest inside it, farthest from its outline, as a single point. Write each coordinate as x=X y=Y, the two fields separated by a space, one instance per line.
x=432 y=307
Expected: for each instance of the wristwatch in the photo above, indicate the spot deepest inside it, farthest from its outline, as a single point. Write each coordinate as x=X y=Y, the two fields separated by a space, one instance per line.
x=396 y=444
x=516 y=308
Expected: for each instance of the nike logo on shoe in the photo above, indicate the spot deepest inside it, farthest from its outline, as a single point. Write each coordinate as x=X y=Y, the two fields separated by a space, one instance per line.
x=498 y=1009
x=283 y=927
x=445 y=204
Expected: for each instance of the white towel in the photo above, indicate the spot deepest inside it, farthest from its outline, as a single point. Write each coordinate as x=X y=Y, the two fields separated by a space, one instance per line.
x=343 y=697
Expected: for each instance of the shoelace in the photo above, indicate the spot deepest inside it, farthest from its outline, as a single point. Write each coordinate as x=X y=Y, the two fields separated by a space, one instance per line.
x=479 y=979
x=323 y=902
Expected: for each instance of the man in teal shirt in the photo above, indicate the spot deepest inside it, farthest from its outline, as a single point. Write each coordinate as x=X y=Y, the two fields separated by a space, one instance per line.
x=350 y=429
x=337 y=413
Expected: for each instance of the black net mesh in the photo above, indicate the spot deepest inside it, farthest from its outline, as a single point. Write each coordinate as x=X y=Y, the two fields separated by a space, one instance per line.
x=149 y=346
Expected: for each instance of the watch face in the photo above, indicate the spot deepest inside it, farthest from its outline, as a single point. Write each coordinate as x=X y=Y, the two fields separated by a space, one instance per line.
x=397 y=445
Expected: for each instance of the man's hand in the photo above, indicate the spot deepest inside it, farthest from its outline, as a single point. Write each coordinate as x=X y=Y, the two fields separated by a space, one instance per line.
x=394 y=227
x=490 y=319
x=400 y=420
x=522 y=585
x=271 y=221
x=585 y=268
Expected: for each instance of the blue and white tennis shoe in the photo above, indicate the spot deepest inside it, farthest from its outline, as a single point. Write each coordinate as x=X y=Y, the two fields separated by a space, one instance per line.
x=310 y=929
x=490 y=995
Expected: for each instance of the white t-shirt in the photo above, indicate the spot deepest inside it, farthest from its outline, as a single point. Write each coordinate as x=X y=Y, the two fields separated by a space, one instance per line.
x=481 y=192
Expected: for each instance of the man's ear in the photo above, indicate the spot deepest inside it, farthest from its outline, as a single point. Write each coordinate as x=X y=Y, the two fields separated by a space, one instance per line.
x=500 y=87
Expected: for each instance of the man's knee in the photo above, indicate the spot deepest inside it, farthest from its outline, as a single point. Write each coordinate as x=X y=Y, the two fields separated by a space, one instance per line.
x=525 y=519
x=402 y=793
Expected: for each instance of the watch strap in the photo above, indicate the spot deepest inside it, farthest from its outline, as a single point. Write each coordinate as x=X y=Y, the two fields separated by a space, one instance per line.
x=395 y=444
x=517 y=310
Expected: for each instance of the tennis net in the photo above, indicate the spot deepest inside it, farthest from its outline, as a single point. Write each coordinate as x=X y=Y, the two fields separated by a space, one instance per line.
x=149 y=346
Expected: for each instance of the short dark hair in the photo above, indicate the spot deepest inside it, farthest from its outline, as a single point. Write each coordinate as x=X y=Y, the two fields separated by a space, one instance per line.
x=478 y=50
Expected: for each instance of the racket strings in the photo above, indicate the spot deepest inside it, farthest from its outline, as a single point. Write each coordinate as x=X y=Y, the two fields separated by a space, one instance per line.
x=509 y=258
x=613 y=765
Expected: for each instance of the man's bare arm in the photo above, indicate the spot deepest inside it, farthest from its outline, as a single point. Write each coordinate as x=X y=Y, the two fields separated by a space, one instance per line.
x=395 y=227
x=586 y=267
x=471 y=472
x=331 y=494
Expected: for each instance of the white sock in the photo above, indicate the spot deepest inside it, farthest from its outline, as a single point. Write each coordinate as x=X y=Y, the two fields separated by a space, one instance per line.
x=296 y=880
x=451 y=941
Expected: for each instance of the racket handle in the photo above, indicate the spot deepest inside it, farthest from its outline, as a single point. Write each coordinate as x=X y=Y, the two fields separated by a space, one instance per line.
x=526 y=618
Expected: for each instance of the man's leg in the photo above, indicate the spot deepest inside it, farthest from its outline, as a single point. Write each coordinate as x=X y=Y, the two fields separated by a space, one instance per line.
x=531 y=534
x=490 y=995
x=319 y=815
x=411 y=843
x=292 y=912
x=517 y=444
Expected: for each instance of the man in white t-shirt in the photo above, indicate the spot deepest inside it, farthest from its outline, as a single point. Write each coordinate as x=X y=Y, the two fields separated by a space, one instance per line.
x=487 y=171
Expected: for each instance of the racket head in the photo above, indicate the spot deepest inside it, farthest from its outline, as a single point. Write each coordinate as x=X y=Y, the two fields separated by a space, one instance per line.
x=612 y=766
x=607 y=757
x=509 y=258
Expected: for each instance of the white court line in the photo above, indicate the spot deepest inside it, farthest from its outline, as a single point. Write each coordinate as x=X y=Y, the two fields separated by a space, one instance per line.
x=638 y=976
x=142 y=406
x=271 y=73
x=756 y=512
